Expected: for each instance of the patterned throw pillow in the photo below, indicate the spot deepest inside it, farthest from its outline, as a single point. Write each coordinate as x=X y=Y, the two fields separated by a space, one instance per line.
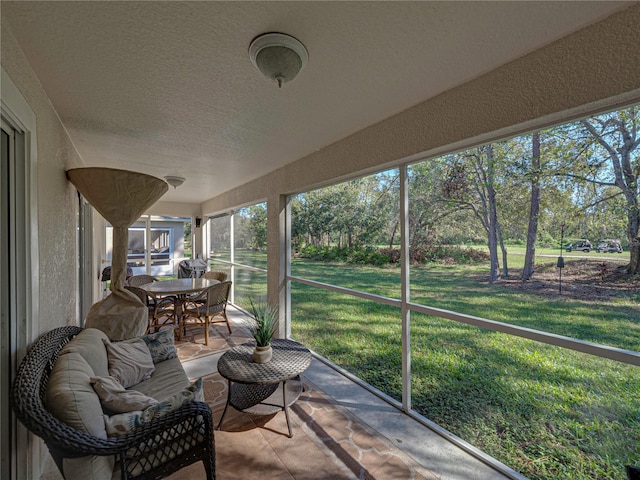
x=116 y=399
x=190 y=394
x=129 y=362
x=121 y=424
x=161 y=345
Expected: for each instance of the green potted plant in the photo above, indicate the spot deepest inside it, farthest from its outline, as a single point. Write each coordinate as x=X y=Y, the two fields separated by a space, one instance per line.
x=262 y=328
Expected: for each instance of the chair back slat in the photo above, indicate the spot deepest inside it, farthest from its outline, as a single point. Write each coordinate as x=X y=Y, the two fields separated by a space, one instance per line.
x=215 y=275
x=211 y=302
x=139 y=292
x=138 y=280
x=217 y=295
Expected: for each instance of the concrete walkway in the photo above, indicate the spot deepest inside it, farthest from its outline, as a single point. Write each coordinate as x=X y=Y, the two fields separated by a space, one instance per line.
x=428 y=448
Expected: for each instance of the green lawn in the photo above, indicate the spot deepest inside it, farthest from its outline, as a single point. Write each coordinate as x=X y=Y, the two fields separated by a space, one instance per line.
x=546 y=412
x=248 y=284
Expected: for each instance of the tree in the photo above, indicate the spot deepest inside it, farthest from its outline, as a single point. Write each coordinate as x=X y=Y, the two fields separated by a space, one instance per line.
x=471 y=184
x=534 y=209
x=313 y=214
x=612 y=140
x=435 y=191
x=355 y=213
x=485 y=171
x=256 y=225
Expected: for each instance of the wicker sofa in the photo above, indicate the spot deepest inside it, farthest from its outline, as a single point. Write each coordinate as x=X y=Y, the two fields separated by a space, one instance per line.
x=71 y=420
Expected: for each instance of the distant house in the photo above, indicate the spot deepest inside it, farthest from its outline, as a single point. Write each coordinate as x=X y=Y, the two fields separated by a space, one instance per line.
x=165 y=243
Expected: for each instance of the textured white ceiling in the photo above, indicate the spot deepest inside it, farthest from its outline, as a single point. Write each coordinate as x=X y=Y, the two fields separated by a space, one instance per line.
x=167 y=88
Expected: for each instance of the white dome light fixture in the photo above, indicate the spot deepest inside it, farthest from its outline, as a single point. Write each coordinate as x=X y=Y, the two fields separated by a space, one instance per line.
x=175 y=182
x=278 y=56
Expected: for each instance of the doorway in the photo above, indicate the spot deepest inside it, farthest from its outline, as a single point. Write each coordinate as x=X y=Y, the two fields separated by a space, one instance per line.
x=12 y=298
x=7 y=343
x=19 y=286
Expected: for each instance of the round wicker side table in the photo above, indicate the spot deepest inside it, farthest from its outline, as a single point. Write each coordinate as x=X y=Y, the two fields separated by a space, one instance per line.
x=252 y=384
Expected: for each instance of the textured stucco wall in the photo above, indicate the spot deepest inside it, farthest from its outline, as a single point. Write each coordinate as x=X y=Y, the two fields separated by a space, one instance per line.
x=56 y=197
x=595 y=68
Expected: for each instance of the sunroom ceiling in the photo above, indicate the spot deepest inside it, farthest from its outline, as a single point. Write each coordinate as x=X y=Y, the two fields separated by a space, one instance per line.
x=167 y=88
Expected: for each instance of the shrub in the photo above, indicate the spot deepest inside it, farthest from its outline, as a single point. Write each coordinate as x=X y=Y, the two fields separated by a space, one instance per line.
x=443 y=254
x=448 y=255
x=353 y=255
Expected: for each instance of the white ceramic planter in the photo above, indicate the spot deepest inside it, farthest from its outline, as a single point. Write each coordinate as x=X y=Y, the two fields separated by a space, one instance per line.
x=262 y=354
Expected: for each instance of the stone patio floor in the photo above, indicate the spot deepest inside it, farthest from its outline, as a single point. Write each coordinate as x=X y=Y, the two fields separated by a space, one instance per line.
x=340 y=430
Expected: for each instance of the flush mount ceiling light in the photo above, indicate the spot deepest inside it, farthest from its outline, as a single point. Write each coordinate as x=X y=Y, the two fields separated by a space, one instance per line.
x=278 y=56
x=175 y=182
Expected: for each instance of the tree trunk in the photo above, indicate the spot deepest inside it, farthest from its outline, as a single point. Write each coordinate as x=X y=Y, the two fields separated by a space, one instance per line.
x=393 y=236
x=534 y=209
x=634 y=260
x=633 y=231
x=626 y=176
x=633 y=212
x=494 y=274
x=503 y=249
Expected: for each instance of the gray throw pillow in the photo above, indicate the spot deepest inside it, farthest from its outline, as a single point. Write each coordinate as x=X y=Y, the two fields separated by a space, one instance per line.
x=129 y=362
x=114 y=398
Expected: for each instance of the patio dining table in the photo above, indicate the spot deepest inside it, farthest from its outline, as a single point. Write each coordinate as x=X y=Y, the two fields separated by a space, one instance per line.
x=181 y=288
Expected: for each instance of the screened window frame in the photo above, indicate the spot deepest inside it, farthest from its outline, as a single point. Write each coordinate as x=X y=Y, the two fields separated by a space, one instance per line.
x=233 y=265
x=406 y=306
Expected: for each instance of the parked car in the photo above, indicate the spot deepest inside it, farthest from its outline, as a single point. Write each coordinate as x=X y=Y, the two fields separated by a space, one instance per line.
x=609 y=246
x=582 y=245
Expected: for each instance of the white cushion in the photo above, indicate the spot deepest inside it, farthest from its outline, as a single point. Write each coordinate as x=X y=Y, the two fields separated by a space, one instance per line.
x=70 y=396
x=89 y=344
x=71 y=399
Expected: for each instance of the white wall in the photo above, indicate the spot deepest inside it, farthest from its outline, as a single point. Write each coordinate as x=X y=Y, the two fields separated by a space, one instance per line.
x=53 y=226
x=56 y=197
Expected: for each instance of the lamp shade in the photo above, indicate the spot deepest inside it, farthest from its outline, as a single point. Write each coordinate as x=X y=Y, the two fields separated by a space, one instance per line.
x=278 y=56
x=120 y=196
x=174 y=181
